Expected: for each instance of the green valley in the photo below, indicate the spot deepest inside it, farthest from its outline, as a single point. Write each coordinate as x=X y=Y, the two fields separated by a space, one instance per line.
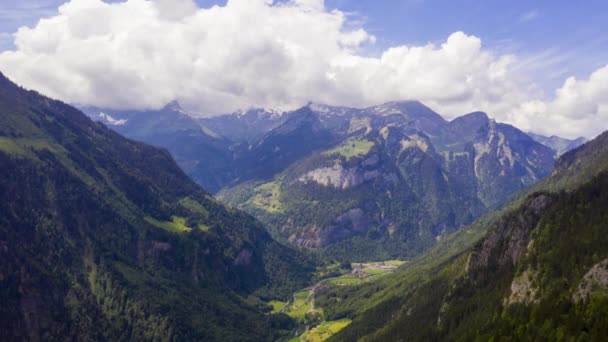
x=312 y=324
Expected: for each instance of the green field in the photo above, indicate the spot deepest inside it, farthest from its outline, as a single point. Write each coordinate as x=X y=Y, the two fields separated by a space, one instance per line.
x=176 y=225
x=377 y=271
x=352 y=149
x=332 y=270
x=268 y=197
x=325 y=330
x=395 y=262
x=347 y=280
x=277 y=305
x=301 y=305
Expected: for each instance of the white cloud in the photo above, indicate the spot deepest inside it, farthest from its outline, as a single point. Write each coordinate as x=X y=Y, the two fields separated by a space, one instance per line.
x=143 y=54
x=580 y=107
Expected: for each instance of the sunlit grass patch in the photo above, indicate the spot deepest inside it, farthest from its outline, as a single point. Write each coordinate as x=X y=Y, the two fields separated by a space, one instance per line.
x=352 y=149
x=268 y=197
x=346 y=281
x=395 y=262
x=277 y=305
x=325 y=330
x=376 y=271
x=301 y=305
x=176 y=225
x=193 y=206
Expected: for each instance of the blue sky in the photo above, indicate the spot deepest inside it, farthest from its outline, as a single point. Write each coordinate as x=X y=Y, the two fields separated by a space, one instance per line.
x=560 y=38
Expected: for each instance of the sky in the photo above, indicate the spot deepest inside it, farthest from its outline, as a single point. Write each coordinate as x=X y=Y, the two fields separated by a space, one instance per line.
x=540 y=65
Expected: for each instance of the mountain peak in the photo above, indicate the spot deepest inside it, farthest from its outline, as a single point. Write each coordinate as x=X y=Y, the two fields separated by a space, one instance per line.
x=304 y=116
x=173 y=106
x=410 y=108
x=259 y=112
x=558 y=144
x=475 y=117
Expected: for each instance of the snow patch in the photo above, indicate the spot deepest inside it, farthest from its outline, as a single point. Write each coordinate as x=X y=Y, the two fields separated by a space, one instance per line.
x=110 y=120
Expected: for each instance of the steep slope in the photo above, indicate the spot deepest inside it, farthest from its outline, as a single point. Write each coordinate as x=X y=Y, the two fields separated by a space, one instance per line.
x=103 y=238
x=558 y=144
x=200 y=152
x=504 y=159
x=246 y=126
x=539 y=273
x=298 y=137
x=390 y=181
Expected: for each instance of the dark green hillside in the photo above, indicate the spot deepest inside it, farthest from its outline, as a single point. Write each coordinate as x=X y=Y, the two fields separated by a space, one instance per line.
x=539 y=273
x=102 y=238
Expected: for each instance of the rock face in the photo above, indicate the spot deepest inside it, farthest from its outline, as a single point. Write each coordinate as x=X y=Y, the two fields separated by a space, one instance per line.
x=595 y=279
x=338 y=177
x=349 y=224
x=509 y=239
x=523 y=290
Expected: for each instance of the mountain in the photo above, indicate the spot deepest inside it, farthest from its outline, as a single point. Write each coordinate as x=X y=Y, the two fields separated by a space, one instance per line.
x=104 y=238
x=296 y=138
x=380 y=182
x=385 y=181
x=200 y=152
x=245 y=126
x=557 y=144
x=535 y=270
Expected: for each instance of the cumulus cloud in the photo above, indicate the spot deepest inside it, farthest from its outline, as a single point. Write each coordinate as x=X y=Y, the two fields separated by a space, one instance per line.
x=580 y=107
x=280 y=54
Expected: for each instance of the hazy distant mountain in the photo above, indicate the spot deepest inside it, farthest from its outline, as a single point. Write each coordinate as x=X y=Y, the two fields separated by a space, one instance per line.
x=200 y=152
x=104 y=238
x=557 y=144
x=245 y=126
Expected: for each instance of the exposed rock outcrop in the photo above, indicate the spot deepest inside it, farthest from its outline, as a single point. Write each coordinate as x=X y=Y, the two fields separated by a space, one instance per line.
x=596 y=278
x=338 y=177
x=351 y=223
x=522 y=289
x=508 y=241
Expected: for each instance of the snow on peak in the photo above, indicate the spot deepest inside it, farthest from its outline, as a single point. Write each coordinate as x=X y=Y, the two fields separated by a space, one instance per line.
x=110 y=120
x=262 y=112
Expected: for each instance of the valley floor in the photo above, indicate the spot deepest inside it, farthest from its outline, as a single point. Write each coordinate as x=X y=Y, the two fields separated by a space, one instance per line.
x=313 y=326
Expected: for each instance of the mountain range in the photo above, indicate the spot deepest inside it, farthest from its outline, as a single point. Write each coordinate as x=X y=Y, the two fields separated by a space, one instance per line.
x=558 y=144
x=107 y=238
x=310 y=175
